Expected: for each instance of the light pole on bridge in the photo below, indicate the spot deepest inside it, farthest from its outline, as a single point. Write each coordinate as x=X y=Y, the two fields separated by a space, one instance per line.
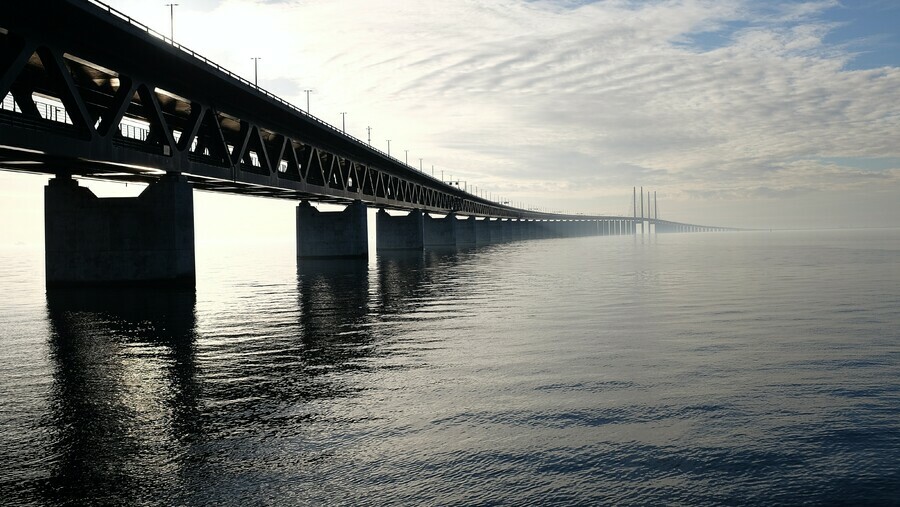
x=172 y=21
x=344 y=122
x=389 y=147
x=406 y=159
x=369 y=130
x=256 y=60
x=308 y=91
x=420 y=164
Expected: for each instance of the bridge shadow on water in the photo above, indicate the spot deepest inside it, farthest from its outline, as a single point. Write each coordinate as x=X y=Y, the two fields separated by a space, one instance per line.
x=143 y=406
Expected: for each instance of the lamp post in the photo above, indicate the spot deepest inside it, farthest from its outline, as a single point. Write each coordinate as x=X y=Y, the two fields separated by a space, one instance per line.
x=406 y=158
x=307 y=99
x=344 y=122
x=369 y=130
x=172 y=21
x=256 y=60
x=389 y=147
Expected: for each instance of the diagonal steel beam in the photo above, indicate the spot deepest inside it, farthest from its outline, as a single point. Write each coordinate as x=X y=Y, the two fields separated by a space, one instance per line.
x=110 y=120
x=61 y=79
x=237 y=155
x=278 y=153
x=262 y=153
x=194 y=120
x=13 y=62
x=154 y=114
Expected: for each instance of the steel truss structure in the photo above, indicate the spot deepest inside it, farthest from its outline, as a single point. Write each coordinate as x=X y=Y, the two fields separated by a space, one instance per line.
x=99 y=95
x=88 y=91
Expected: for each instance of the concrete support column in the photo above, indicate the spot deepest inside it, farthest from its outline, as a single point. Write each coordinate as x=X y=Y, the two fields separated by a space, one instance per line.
x=332 y=235
x=536 y=229
x=515 y=229
x=482 y=231
x=530 y=230
x=525 y=226
x=144 y=240
x=439 y=232
x=399 y=232
x=505 y=230
x=588 y=228
x=496 y=230
x=464 y=231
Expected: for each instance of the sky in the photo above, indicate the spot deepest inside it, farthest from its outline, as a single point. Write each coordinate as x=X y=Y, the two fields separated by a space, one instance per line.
x=760 y=114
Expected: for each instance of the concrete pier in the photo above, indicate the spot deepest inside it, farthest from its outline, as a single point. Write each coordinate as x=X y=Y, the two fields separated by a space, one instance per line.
x=515 y=229
x=439 y=232
x=144 y=240
x=465 y=231
x=482 y=231
x=332 y=235
x=399 y=232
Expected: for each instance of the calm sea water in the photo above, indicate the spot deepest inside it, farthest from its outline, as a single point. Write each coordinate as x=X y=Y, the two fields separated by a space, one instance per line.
x=752 y=368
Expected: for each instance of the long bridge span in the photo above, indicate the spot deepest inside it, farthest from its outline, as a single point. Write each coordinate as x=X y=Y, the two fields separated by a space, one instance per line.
x=89 y=92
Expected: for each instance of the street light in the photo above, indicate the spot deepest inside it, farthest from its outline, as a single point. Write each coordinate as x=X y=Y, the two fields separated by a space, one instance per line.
x=344 y=122
x=369 y=130
x=256 y=60
x=172 y=21
x=406 y=160
x=307 y=100
x=389 y=147
x=420 y=165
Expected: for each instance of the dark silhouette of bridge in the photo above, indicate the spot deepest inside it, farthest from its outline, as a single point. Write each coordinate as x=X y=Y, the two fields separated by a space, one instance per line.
x=89 y=92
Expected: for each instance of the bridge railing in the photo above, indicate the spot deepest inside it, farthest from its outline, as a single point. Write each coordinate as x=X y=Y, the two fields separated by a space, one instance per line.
x=254 y=87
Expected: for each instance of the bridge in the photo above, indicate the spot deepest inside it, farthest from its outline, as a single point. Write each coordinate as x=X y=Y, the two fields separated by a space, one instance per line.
x=89 y=92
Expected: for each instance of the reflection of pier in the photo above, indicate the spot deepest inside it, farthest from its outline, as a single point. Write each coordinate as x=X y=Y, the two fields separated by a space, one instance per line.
x=125 y=392
x=334 y=300
x=144 y=405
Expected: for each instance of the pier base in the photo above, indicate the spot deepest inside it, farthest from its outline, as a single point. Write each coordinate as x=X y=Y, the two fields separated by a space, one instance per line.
x=482 y=231
x=144 y=240
x=399 y=232
x=332 y=235
x=440 y=232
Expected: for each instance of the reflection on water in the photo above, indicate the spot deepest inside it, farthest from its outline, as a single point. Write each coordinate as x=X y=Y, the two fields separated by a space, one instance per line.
x=124 y=390
x=582 y=371
x=333 y=296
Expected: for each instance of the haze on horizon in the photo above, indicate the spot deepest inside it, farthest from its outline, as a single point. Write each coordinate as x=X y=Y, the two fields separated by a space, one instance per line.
x=738 y=113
